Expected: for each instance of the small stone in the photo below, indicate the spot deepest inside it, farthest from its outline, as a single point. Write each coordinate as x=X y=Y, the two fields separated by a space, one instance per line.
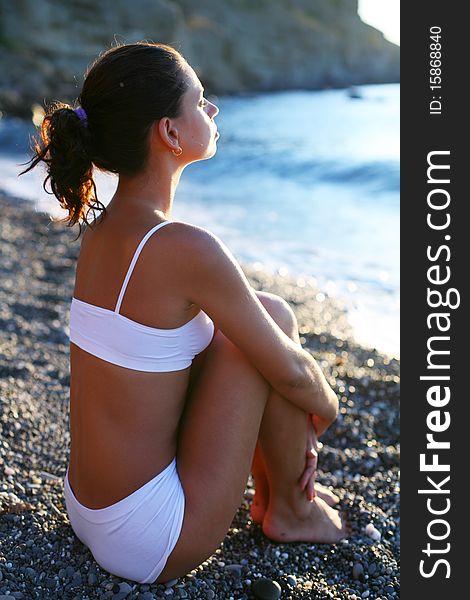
x=389 y=589
x=69 y=571
x=372 y=532
x=125 y=588
x=234 y=569
x=171 y=583
x=365 y=594
x=372 y=569
x=291 y=580
x=210 y=594
x=182 y=593
x=358 y=571
x=266 y=589
x=92 y=578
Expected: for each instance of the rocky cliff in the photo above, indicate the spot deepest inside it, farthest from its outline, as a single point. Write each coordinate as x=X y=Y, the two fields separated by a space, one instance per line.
x=235 y=46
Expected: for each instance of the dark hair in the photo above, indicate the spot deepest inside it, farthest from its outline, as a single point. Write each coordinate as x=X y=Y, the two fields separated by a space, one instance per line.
x=125 y=91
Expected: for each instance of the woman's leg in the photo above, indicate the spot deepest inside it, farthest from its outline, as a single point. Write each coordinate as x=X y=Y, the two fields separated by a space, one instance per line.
x=274 y=414
x=217 y=439
x=260 y=501
x=278 y=471
x=289 y=516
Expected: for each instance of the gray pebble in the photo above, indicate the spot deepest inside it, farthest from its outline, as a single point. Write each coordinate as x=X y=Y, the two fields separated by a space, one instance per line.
x=234 y=569
x=266 y=589
x=358 y=571
x=365 y=594
x=69 y=571
x=92 y=578
x=372 y=569
x=146 y=596
x=357 y=556
x=125 y=588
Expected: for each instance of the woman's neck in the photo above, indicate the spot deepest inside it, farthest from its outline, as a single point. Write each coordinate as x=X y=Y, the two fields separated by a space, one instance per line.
x=153 y=190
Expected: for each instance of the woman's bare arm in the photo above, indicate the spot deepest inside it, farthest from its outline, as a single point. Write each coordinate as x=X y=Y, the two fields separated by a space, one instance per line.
x=211 y=278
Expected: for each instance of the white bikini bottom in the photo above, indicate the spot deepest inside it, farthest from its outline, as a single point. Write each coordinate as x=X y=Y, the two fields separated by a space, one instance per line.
x=133 y=537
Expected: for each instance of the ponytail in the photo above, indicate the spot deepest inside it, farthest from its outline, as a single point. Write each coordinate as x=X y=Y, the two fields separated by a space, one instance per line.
x=127 y=89
x=64 y=145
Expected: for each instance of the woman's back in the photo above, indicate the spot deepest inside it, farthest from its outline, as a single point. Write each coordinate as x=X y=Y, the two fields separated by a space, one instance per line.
x=124 y=421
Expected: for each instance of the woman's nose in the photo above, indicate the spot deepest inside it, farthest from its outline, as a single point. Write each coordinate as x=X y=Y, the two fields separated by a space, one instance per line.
x=214 y=110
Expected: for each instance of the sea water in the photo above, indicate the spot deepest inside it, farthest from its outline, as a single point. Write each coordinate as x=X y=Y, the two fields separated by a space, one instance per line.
x=304 y=183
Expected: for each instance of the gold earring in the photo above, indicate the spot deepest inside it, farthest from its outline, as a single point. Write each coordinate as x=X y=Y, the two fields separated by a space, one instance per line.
x=177 y=152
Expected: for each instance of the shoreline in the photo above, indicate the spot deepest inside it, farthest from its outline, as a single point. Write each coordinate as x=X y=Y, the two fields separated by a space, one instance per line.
x=360 y=457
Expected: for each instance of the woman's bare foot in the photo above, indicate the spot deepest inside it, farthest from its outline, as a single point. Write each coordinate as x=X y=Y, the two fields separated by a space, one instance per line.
x=260 y=501
x=321 y=524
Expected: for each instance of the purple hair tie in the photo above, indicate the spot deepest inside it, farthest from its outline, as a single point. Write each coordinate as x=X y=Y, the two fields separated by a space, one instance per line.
x=81 y=114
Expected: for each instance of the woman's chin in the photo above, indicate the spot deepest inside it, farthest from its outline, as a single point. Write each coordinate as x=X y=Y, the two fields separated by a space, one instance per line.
x=211 y=151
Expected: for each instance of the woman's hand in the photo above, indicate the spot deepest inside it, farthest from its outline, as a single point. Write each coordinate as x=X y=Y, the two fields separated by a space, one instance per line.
x=307 y=480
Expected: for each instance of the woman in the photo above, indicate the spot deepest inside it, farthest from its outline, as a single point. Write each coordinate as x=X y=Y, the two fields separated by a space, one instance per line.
x=182 y=376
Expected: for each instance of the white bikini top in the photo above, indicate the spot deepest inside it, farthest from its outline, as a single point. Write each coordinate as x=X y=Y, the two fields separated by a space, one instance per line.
x=119 y=340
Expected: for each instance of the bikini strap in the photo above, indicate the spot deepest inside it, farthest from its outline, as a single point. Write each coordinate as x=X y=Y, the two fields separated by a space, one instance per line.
x=133 y=261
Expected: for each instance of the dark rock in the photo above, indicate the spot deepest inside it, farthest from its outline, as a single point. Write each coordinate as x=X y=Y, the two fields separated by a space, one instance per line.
x=291 y=580
x=234 y=569
x=266 y=589
x=357 y=571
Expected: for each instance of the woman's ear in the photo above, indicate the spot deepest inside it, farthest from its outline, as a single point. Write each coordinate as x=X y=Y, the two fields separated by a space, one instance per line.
x=167 y=133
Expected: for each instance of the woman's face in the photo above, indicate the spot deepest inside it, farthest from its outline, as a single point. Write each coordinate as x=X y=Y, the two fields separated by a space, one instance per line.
x=197 y=131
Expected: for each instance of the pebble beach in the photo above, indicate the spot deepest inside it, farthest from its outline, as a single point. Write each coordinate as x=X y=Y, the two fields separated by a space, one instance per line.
x=41 y=558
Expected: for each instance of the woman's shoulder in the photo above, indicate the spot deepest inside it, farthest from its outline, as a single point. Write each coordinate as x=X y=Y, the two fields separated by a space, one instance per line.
x=190 y=236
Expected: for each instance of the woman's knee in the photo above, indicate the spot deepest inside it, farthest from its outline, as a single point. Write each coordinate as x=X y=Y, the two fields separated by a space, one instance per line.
x=280 y=310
